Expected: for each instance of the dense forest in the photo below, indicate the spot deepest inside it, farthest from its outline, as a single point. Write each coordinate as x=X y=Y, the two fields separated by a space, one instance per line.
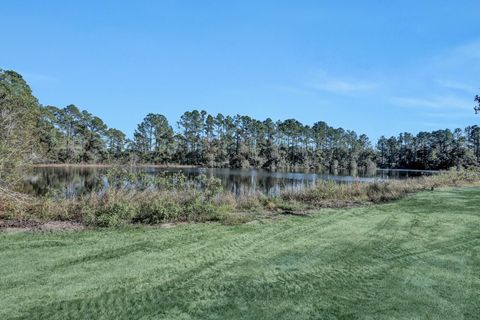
x=32 y=132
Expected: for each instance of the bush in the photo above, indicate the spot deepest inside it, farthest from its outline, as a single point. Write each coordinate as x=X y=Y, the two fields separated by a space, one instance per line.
x=159 y=210
x=111 y=215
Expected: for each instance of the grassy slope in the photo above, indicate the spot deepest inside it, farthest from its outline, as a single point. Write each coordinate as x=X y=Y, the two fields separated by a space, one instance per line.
x=415 y=258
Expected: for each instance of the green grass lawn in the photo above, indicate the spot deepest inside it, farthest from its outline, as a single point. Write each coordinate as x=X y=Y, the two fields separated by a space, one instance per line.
x=418 y=258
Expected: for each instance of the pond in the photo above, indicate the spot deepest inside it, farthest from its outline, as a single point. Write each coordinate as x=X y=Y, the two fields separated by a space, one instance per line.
x=70 y=181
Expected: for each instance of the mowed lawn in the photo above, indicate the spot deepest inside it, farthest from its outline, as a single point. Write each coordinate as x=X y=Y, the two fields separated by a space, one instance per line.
x=418 y=258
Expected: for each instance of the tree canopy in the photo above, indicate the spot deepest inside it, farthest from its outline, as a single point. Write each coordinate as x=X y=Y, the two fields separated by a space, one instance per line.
x=32 y=132
x=19 y=111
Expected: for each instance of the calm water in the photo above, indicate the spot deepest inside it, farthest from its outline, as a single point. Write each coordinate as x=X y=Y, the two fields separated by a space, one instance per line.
x=75 y=180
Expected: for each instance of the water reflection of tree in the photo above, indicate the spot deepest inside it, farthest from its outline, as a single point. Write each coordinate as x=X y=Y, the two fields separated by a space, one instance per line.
x=62 y=181
x=74 y=180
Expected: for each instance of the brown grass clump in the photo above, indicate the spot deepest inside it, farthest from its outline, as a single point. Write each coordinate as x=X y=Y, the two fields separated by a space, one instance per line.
x=331 y=194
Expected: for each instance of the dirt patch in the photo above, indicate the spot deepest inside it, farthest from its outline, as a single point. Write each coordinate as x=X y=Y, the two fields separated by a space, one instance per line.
x=171 y=224
x=32 y=225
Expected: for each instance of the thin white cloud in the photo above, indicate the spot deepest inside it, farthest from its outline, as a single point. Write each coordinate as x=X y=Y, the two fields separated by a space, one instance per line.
x=438 y=102
x=463 y=61
x=438 y=88
x=342 y=86
x=449 y=115
x=444 y=84
x=459 y=86
x=322 y=82
x=469 y=50
x=413 y=102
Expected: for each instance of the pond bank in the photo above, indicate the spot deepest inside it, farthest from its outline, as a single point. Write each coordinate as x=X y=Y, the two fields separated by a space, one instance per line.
x=187 y=203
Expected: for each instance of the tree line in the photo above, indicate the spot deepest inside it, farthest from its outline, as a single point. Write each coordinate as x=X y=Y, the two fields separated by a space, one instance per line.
x=30 y=131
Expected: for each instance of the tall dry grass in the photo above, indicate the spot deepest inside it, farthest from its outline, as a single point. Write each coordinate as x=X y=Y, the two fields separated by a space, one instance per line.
x=120 y=206
x=329 y=193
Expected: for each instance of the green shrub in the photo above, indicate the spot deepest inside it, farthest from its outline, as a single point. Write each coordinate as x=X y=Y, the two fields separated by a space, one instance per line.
x=158 y=210
x=109 y=215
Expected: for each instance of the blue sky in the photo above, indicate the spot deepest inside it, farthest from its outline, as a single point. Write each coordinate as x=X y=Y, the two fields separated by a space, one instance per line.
x=378 y=67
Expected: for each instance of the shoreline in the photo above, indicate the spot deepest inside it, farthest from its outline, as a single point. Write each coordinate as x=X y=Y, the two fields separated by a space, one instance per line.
x=10 y=225
x=118 y=207
x=106 y=165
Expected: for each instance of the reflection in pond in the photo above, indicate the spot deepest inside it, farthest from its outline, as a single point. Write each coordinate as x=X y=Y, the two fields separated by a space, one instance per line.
x=70 y=181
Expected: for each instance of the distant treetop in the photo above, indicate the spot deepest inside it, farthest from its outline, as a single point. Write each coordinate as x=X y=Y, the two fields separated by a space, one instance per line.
x=477 y=107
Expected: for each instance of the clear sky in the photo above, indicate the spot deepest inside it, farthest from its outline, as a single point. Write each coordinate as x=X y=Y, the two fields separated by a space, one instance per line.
x=378 y=67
